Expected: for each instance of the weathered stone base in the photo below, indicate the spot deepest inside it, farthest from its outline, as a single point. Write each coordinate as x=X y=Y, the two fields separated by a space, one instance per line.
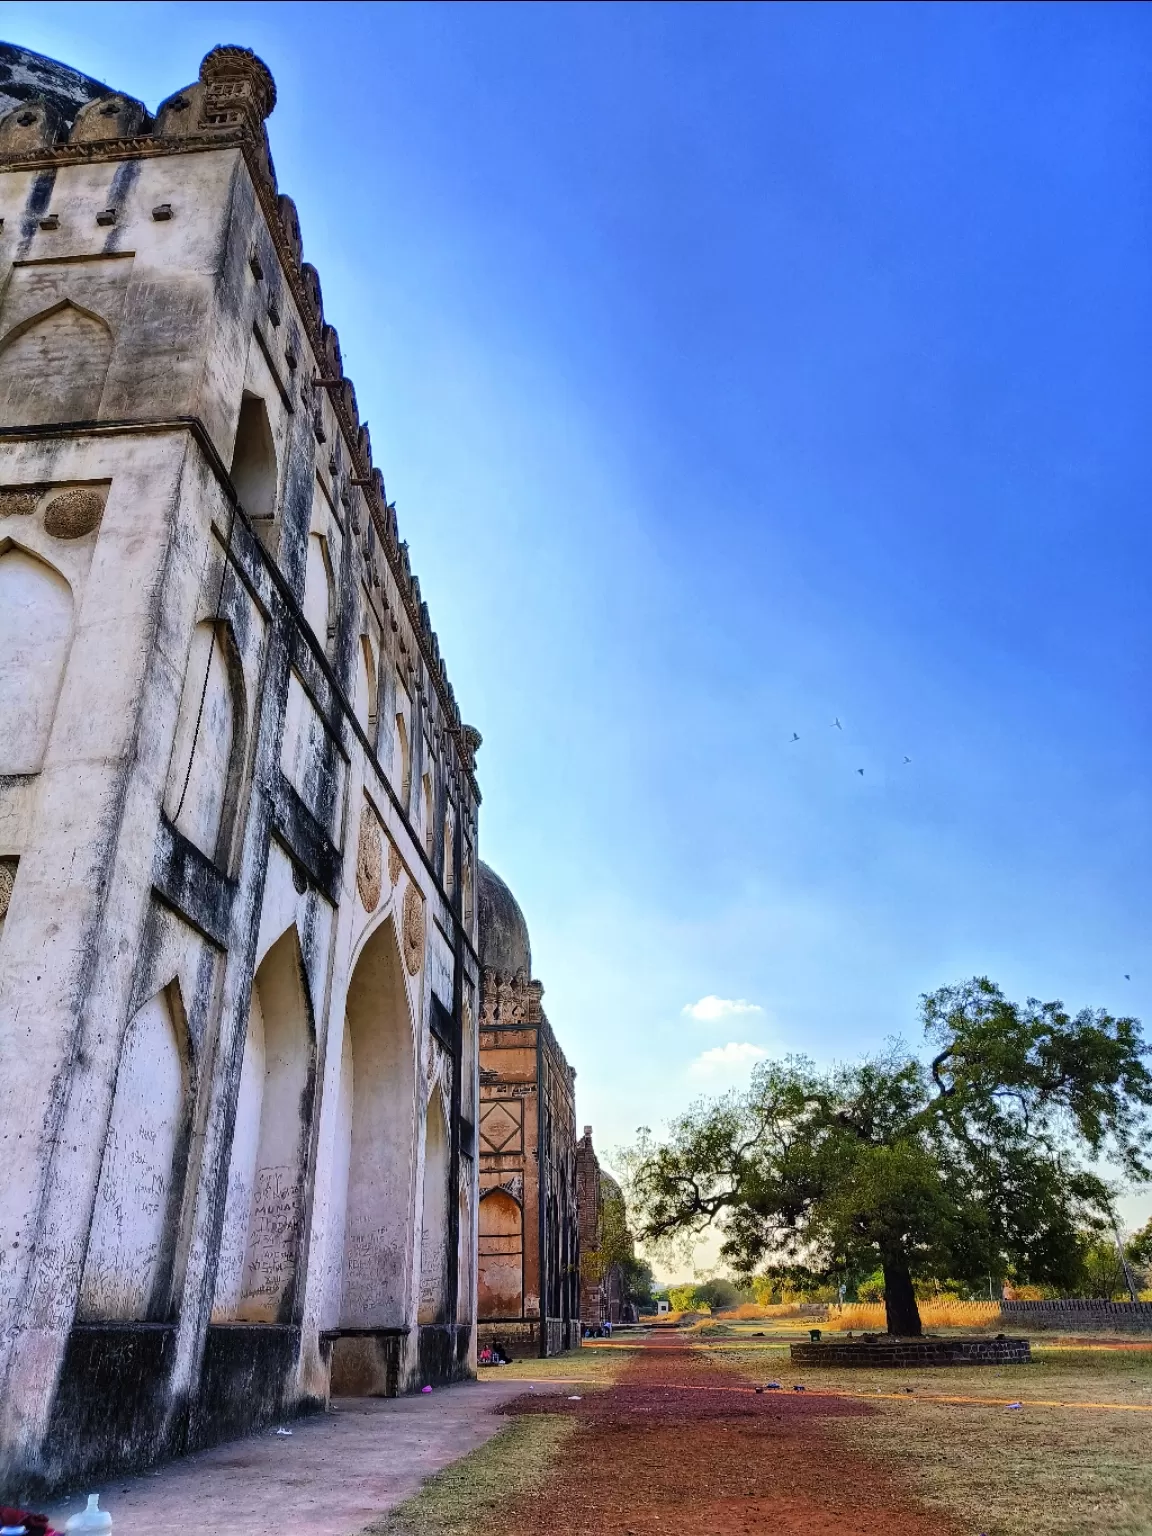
x=521 y=1337
x=442 y=1354
x=366 y=1362
x=911 y=1353
x=115 y=1409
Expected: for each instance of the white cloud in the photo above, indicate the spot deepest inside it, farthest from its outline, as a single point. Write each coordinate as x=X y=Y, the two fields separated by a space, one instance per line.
x=731 y=1060
x=710 y=1010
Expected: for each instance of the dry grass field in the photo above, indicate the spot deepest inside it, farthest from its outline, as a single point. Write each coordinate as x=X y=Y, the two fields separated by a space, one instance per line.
x=1080 y=1469
x=1074 y=1459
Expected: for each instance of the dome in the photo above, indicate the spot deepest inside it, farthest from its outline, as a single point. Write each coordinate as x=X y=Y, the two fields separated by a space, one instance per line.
x=28 y=76
x=504 y=945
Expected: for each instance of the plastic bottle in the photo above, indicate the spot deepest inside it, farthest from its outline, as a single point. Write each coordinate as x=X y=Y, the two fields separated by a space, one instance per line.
x=90 y=1521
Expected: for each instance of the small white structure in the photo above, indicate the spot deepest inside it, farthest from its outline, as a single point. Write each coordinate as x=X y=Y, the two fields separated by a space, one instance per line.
x=238 y=971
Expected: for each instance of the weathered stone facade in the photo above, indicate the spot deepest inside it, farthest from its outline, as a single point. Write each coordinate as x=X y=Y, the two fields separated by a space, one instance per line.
x=238 y=974
x=528 y=1263
x=604 y=1240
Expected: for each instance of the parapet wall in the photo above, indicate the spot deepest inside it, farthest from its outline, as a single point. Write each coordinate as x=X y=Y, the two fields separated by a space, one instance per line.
x=1079 y=1316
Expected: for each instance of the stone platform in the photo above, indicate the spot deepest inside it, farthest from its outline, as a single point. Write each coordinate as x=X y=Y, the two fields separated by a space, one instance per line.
x=912 y=1353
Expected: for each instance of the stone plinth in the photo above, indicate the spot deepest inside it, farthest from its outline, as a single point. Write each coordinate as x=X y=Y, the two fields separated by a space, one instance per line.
x=912 y=1353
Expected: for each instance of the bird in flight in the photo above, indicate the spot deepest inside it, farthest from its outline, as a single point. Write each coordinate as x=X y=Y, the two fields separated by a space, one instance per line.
x=907 y=759
x=860 y=771
x=1127 y=977
x=836 y=724
x=795 y=737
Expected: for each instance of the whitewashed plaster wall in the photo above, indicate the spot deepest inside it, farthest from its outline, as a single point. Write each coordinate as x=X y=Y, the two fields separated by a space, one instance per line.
x=279 y=1082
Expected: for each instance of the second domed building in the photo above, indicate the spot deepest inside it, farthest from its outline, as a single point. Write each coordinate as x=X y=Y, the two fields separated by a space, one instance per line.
x=529 y=1280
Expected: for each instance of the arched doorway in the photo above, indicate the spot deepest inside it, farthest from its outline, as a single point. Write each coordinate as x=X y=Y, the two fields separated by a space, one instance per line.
x=255 y=1280
x=501 y=1288
x=35 y=633
x=128 y=1264
x=434 y=1214
x=378 y=1083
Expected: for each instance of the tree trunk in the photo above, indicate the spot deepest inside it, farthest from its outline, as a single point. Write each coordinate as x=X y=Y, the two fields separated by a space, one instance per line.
x=900 y=1302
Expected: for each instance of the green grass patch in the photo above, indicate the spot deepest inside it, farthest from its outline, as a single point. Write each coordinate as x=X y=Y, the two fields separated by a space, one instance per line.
x=585 y=1365
x=465 y=1498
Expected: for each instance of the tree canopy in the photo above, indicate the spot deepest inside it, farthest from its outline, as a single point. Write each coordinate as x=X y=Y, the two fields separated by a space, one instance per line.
x=973 y=1163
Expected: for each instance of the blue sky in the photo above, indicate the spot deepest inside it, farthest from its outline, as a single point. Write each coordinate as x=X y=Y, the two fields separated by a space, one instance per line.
x=736 y=369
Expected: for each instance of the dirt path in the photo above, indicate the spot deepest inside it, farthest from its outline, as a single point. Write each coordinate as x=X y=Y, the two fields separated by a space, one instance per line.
x=671 y=1448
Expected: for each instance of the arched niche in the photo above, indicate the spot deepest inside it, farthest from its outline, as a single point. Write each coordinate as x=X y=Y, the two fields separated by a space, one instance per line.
x=449 y=855
x=255 y=1277
x=128 y=1265
x=203 y=783
x=318 y=588
x=365 y=701
x=36 y=617
x=465 y=1250
x=53 y=366
x=253 y=469
x=500 y=1291
x=378 y=1075
x=434 y=1214
x=402 y=761
x=426 y=814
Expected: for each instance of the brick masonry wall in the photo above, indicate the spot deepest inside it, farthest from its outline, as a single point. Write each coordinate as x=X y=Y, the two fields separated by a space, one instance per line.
x=909 y=1353
x=1077 y=1316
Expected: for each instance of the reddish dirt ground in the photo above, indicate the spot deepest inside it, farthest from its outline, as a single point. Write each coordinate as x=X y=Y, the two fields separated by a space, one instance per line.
x=672 y=1448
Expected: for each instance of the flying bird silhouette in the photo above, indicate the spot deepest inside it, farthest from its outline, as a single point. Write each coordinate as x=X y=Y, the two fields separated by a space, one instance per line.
x=907 y=759
x=1127 y=977
x=836 y=724
x=795 y=737
x=860 y=771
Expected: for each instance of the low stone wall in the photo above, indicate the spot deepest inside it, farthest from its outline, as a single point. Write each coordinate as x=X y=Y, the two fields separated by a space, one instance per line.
x=1080 y=1316
x=910 y=1353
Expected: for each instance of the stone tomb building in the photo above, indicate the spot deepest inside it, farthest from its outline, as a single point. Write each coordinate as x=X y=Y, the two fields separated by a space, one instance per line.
x=528 y=1261
x=238 y=977
x=604 y=1241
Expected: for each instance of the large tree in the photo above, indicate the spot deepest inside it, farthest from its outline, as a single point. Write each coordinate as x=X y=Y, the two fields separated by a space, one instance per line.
x=978 y=1159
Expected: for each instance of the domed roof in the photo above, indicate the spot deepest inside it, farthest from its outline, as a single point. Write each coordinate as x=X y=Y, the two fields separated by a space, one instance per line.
x=504 y=945
x=27 y=76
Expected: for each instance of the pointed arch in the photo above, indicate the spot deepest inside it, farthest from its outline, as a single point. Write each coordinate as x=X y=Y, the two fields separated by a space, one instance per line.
x=402 y=761
x=36 y=623
x=131 y=1244
x=366 y=686
x=501 y=1255
x=254 y=470
x=427 y=815
x=319 y=589
x=434 y=1211
x=256 y=1276
x=53 y=366
x=380 y=1068
x=208 y=752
